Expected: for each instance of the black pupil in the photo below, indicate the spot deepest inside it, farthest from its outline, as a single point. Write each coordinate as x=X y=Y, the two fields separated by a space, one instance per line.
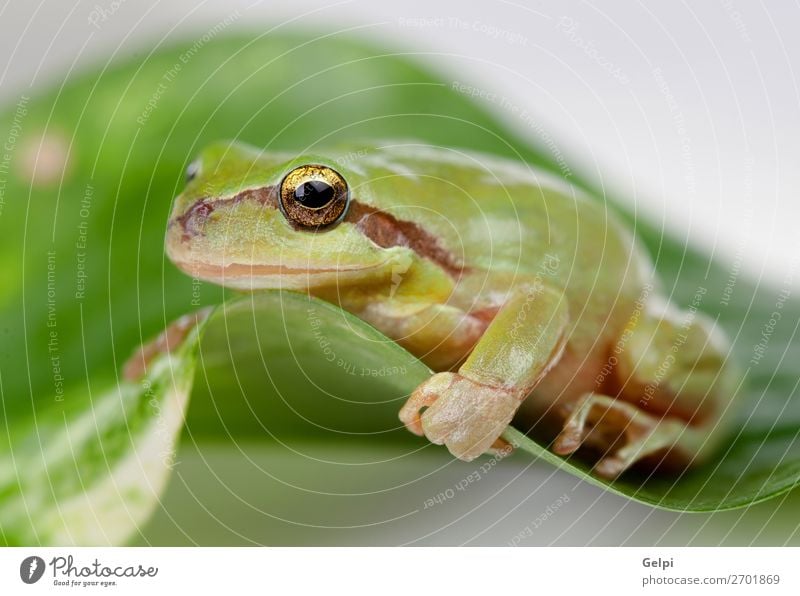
x=314 y=194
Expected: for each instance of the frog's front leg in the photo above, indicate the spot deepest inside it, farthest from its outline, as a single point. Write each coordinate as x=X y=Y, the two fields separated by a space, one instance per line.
x=469 y=409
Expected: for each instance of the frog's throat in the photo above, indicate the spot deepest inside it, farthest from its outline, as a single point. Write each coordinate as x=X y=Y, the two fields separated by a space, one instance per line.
x=381 y=227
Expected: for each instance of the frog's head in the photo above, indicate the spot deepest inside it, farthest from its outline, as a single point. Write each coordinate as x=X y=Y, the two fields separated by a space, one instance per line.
x=250 y=220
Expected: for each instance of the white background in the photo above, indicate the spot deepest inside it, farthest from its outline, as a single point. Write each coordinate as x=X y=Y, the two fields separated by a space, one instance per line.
x=690 y=111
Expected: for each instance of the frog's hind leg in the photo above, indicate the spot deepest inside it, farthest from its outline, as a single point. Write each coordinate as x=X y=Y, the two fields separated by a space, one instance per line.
x=619 y=430
x=670 y=395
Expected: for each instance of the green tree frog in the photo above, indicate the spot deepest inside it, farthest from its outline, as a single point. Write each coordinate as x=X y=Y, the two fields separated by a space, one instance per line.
x=526 y=296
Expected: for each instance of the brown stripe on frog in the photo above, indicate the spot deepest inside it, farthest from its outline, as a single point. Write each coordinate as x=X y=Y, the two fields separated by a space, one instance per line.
x=383 y=228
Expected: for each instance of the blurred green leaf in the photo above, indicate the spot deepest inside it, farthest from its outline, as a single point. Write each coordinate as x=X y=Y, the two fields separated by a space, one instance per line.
x=283 y=367
x=85 y=280
x=91 y=468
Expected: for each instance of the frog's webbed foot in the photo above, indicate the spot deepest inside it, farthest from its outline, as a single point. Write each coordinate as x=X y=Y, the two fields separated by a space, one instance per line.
x=466 y=416
x=470 y=409
x=619 y=430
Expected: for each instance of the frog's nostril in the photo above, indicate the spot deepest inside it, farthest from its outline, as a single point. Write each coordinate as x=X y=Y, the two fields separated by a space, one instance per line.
x=192 y=170
x=192 y=221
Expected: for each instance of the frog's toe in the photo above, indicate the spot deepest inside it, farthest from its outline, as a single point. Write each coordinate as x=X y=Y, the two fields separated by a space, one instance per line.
x=500 y=448
x=423 y=397
x=618 y=429
x=468 y=417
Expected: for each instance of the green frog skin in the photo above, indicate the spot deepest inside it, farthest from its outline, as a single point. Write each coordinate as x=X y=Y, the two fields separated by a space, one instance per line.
x=526 y=296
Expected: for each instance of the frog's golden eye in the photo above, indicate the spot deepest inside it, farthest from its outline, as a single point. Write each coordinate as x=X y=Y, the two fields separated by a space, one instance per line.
x=314 y=196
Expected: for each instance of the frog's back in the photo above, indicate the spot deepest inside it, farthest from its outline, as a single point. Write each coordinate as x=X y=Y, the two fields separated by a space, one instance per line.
x=507 y=220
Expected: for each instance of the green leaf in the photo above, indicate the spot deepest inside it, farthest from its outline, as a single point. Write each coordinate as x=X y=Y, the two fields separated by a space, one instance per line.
x=284 y=367
x=92 y=466
x=84 y=281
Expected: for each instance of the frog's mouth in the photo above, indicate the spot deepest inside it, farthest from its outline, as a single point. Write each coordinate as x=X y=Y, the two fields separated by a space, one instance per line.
x=244 y=276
